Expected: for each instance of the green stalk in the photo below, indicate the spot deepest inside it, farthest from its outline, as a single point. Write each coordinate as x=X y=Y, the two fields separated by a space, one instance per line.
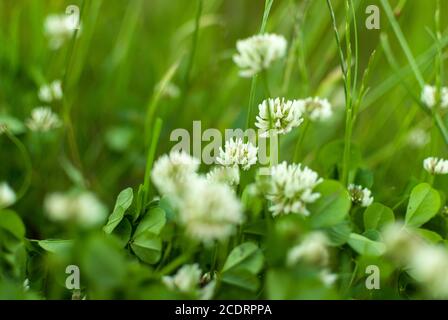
x=150 y=158
x=304 y=126
x=253 y=87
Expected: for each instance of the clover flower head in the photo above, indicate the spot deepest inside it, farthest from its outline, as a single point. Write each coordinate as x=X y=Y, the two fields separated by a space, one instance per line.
x=209 y=211
x=7 y=195
x=428 y=96
x=317 y=109
x=172 y=173
x=186 y=278
x=312 y=250
x=43 y=120
x=418 y=138
x=82 y=207
x=290 y=188
x=279 y=115
x=50 y=92
x=258 y=52
x=237 y=153
x=227 y=175
x=59 y=28
x=435 y=165
x=360 y=195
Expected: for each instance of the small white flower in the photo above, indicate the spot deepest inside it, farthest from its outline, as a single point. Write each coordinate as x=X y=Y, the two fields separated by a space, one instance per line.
x=428 y=96
x=172 y=173
x=317 y=109
x=360 y=195
x=435 y=165
x=258 y=52
x=50 y=92
x=185 y=280
x=210 y=211
x=82 y=207
x=43 y=120
x=227 y=175
x=418 y=138
x=290 y=189
x=58 y=29
x=237 y=153
x=7 y=195
x=312 y=250
x=328 y=278
x=279 y=115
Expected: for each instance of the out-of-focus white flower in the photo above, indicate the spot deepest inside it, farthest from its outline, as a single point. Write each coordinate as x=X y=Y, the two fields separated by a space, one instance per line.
x=83 y=207
x=428 y=96
x=50 y=92
x=317 y=109
x=312 y=250
x=418 y=138
x=360 y=195
x=227 y=175
x=209 y=211
x=7 y=195
x=26 y=285
x=186 y=278
x=237 y=153
x=258 y=52
x=435 y=165
x=290 y=188
x=172 y=173
x=59 y=28
x=429 y=265
x=43 y=119
x=328 y=278
x=401 y=243
x=279 y=115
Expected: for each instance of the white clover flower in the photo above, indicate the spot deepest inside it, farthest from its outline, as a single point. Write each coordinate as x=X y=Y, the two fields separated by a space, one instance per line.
x=227 y=175
x=43 y=119
x=418 y=138
x=428 y=96
x=81 y=207
x=328 y=278
x=317 y=109
x=186 y=278
x=237 y=153
x=172 y=173
x=258 y=52
x=313 y=250
x=435 y=165
x=7 y=195
x=401 y=243
x=58 y=29
x=360 y=195
x=290 y=189
x=50 y=92
x=209 y=211
x=279 y=115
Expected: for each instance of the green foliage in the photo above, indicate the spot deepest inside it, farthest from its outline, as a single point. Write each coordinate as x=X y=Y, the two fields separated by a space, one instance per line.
x=424 y=203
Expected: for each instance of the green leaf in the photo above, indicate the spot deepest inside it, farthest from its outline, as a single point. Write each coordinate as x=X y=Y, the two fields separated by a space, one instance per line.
x=424 y=203
x=246 y=256
x=124 y=201
x=153 y=222
x=339 y=234
x=429 y=235
x=56 y=245
x=376 y=216
x=123 y=232
x=332 y=207
x=14 y=125
x=365 y=246
x=10 y=221
x=148 y=247
x=331 y=156
x=242 y=279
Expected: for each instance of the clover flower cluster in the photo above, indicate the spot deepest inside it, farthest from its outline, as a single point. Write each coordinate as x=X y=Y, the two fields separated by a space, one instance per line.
x=359 y=195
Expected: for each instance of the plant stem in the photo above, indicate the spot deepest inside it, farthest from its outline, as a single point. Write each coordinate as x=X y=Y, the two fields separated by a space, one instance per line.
x=305 y=125
x=150 y=158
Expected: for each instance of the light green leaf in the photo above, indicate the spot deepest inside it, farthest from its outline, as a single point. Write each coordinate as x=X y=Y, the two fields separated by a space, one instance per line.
x=124 y=201
x=10 y=221
x=332 y=206
x=147 y=246
x=429 y=235
x=377 y=216
x=424 y=203
x=246 y=256
x=153 y=222
x=365 y=246
x=56 y=245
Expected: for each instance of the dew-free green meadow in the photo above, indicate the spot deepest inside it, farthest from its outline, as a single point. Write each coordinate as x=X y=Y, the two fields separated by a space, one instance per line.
x=99 y=201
